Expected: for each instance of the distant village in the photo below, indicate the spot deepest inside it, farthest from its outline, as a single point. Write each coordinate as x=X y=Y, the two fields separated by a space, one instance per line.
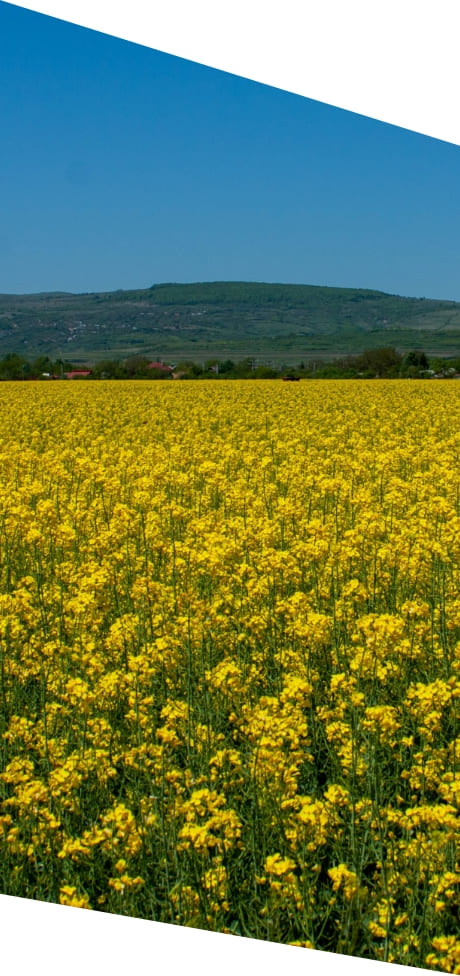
x=384 y=362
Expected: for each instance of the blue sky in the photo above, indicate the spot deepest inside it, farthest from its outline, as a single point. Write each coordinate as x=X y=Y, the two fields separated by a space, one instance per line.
x=123 y=167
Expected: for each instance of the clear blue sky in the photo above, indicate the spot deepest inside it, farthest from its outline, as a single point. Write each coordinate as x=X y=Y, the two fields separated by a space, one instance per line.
x=121 y=167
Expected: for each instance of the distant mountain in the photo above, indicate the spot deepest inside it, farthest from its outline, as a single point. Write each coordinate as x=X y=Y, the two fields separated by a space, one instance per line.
x=270 y=322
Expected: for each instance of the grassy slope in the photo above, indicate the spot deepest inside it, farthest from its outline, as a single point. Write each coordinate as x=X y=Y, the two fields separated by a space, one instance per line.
x=281 y=323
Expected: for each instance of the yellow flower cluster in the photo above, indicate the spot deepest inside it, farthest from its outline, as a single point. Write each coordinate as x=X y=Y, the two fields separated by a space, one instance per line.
x=230 y=658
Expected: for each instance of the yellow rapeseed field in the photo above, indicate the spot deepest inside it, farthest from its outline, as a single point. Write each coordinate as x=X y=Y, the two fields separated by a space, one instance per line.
x=230 y=656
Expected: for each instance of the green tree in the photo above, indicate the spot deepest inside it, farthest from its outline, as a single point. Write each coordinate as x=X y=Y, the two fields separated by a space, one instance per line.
x=137 y=367
x=14 y=367
x=414 y=363
x=384 y=361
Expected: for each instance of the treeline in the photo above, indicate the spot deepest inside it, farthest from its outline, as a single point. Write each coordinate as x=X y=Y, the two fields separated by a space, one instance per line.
x=16 y=367
x=385 y=362
x=372 y=363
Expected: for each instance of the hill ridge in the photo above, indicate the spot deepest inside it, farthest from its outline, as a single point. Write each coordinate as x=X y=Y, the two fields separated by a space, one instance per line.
x=277 y=322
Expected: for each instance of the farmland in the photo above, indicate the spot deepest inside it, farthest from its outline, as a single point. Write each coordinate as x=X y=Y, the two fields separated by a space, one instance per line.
x=230 y=655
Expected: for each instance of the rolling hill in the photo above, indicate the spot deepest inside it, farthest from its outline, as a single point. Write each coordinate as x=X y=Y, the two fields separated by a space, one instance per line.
x=270 y=322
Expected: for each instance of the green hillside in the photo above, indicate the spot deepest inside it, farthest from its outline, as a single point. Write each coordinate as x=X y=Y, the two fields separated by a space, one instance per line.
x=270 y=322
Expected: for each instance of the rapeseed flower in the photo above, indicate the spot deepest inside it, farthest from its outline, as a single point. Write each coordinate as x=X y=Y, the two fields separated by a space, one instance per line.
x=230 y=657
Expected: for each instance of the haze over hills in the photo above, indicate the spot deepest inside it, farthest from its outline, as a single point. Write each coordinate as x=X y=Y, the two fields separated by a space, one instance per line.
x=271 y=322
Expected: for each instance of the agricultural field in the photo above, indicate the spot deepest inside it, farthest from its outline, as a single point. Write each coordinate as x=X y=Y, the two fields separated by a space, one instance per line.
x=230 y=658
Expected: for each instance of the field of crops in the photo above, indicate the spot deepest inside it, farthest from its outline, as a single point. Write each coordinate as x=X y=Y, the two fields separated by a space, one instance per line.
x=230 y=657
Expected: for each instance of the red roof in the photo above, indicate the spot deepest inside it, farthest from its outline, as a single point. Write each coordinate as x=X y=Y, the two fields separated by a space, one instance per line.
x=162 y=366
x=77 y=372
